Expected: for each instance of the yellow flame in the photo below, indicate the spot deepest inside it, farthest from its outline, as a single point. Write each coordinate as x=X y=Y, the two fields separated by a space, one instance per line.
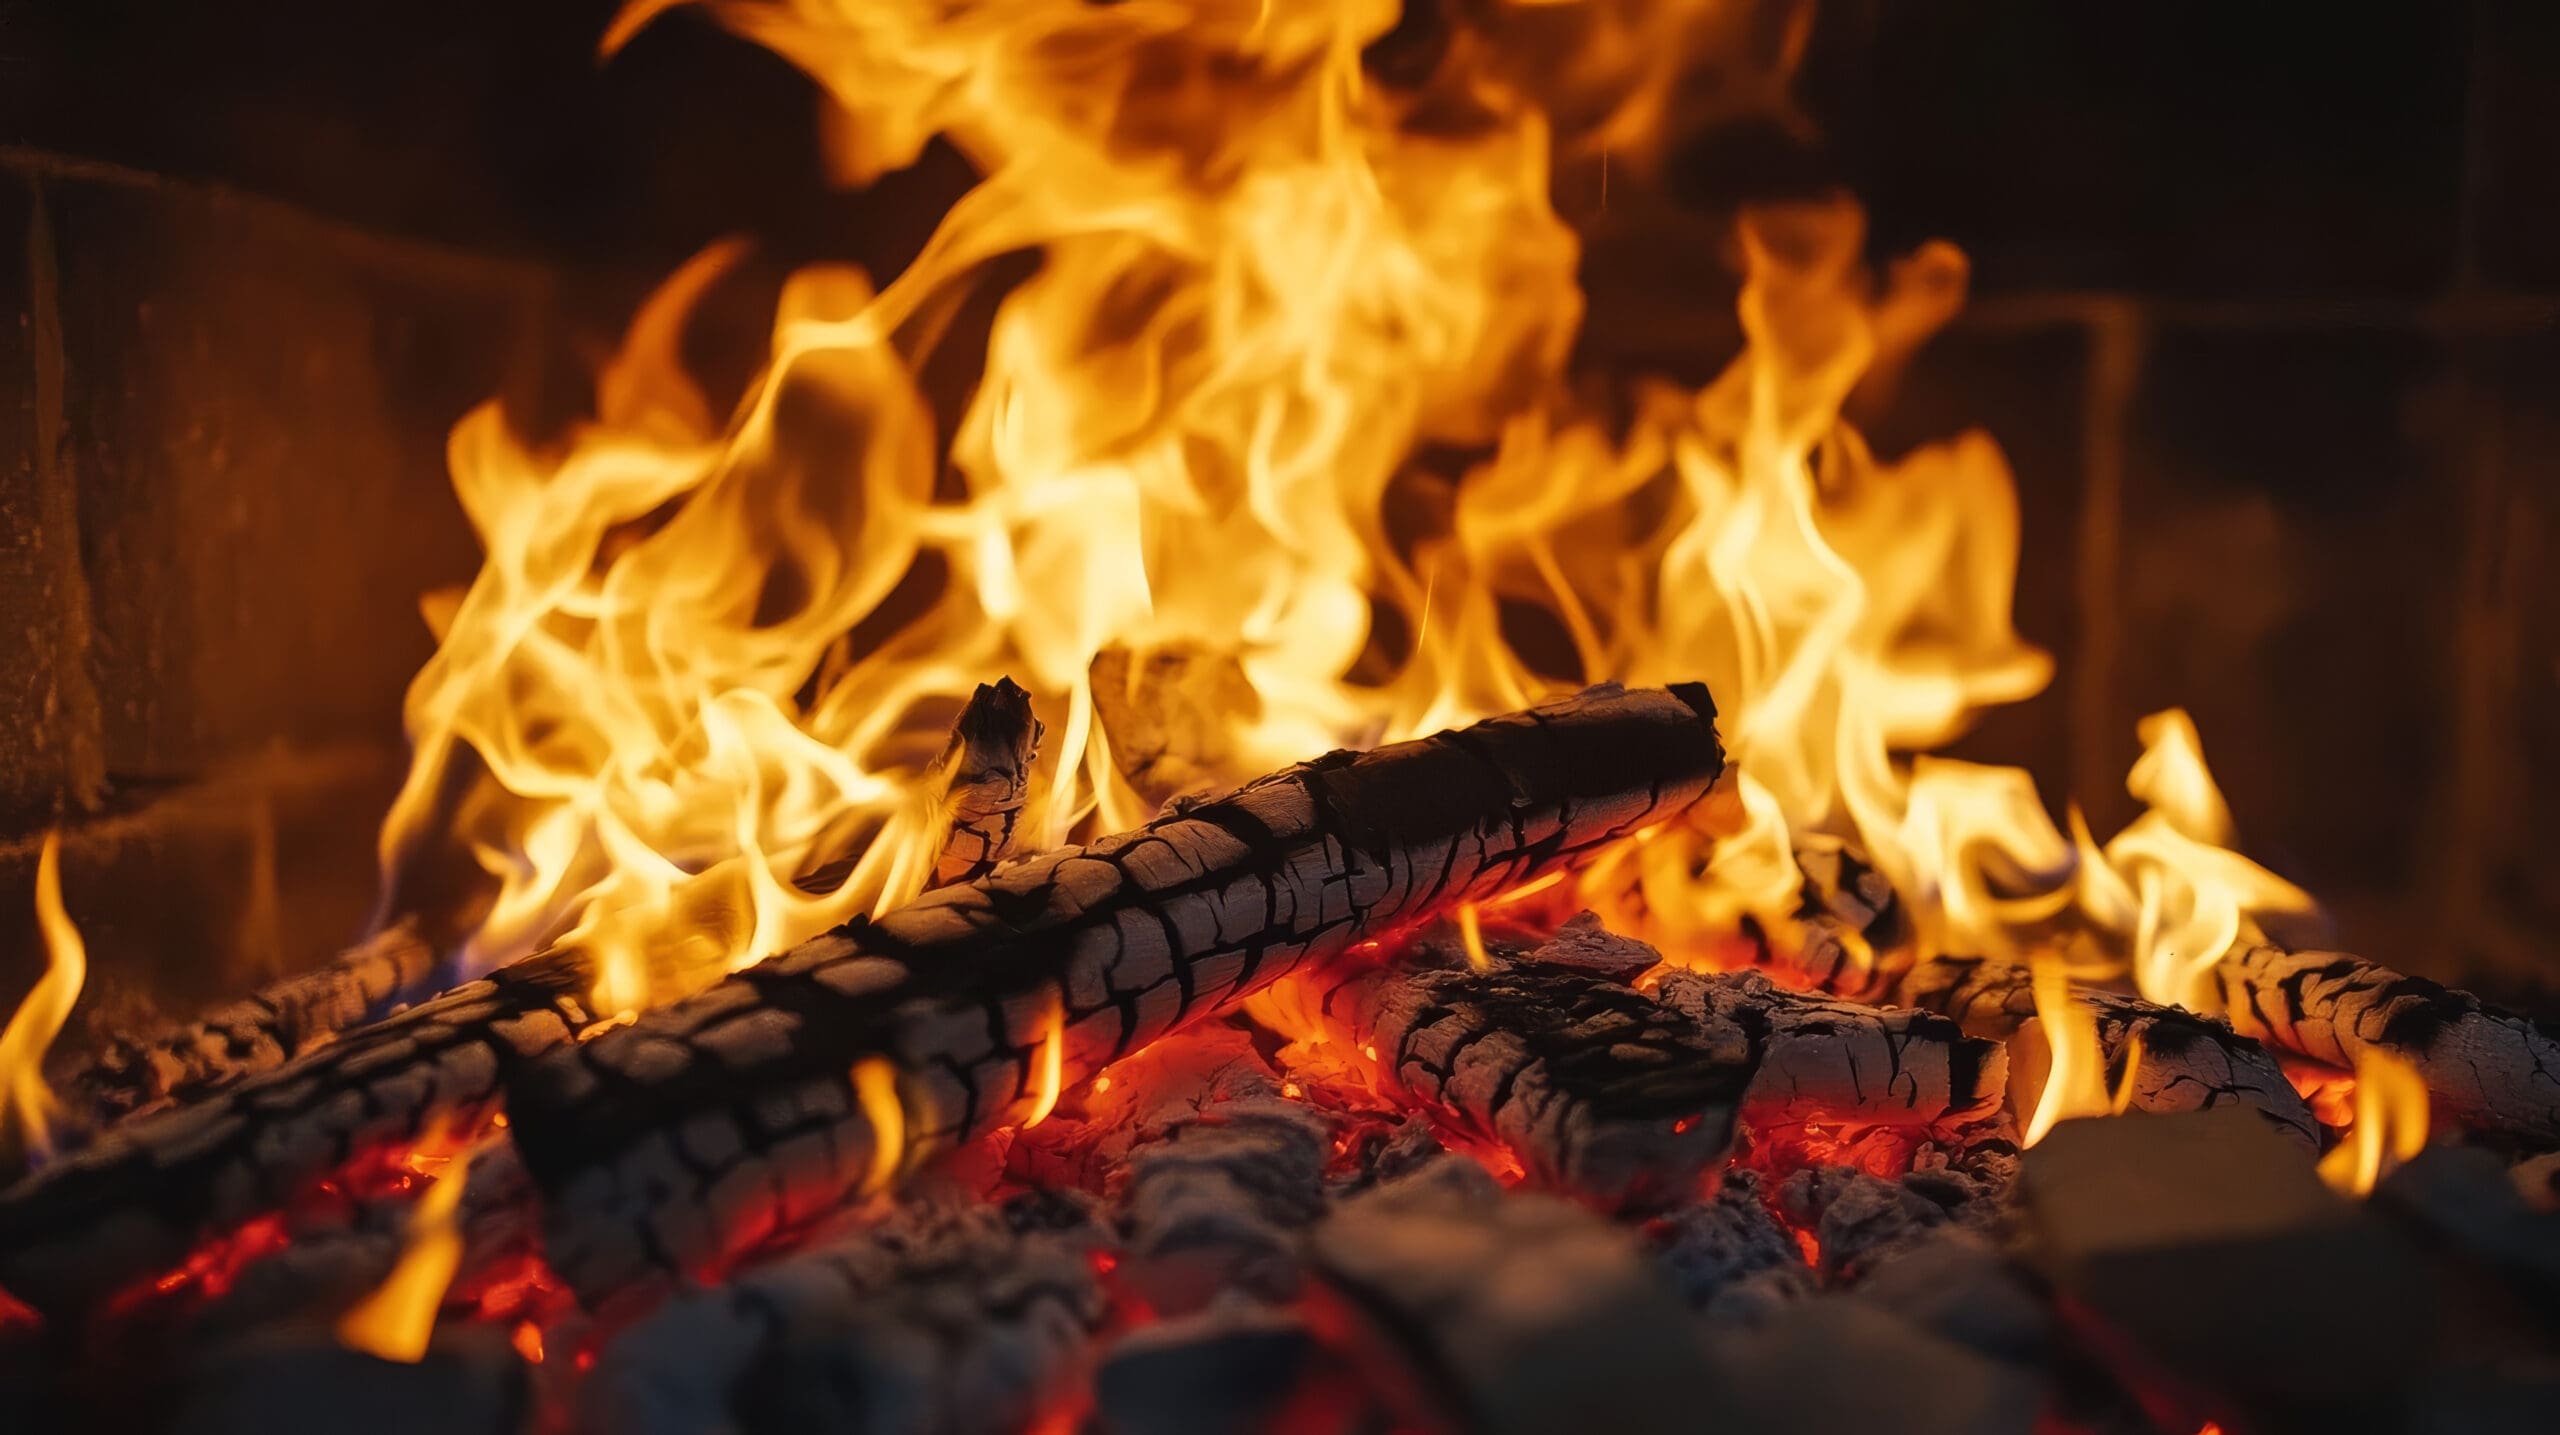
x=1050 y=1068
x=2075 y=1082
x=398 y=1318
x=875 y=1089
x=2122 y=1100
x=708 y=654
x=2390 y=1123
x=1471 y=933
x=29 y=1106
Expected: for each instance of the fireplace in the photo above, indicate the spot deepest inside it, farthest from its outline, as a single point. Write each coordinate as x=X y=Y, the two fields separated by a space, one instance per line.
x=1153 y=717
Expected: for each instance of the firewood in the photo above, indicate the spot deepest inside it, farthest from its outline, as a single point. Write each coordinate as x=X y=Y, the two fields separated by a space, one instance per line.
x=941 y=1319
x=2188 y=1061
x=1502 y=1312
x=136 y=1071
x=138 y=1199
x=1816 y=1058
x=1170 y=716
x=671 y=1145
x=985 y=777
x=1730 y=1256
x=2489 y=1069
x=1594 y=1088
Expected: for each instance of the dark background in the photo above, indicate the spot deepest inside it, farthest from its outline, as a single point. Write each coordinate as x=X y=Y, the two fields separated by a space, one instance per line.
x=2267 y=316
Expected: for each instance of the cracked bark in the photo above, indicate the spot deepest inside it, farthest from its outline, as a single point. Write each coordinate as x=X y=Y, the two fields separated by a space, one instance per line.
x=2189 y=1061
x=1593 y=1087
x=134 y=1202
x=675 y=1144
x=1818 y=1058
x=2492 y=1070
x=178 y=1064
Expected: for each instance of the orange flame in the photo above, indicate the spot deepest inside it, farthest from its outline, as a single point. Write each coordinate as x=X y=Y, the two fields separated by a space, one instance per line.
x=2390 y=1123
x=705 y=657
x=398 y=1318
x=27 y=1105
x=875 y=1089
x=2075 y=1081
x=1050 y=1070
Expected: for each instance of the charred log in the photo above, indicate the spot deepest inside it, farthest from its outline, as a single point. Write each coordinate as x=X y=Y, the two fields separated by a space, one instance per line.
x=676 y=1143
x=134 y=1202
x=133 y=1072
x=2490 y=1069
x=1591 y=1086
x=1816 y=1058
x=939 y=1320
x=2186 y=1061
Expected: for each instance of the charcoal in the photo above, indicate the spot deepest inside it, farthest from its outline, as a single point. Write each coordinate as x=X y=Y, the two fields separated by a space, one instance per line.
x=1857 y=1219
x=2462 y=1199
x=2206 y=1241
x=1507 y=1313
x=1584 y=945
x=293 y=1382
x=1729 y=1256
x=1959 y=1287
x=1837 y=1365
x=940 y=1320
x=1230 y=1370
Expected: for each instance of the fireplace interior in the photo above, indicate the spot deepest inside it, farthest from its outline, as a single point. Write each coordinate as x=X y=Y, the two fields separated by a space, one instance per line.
x=1177 y=716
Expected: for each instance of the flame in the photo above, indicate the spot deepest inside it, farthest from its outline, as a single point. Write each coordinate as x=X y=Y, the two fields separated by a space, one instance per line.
x=875 y=1089
x=2390 y=1123
x=27 y=1106
x=396 y=1320
x=2075 y=1081
x=1051 y=1065
x=1282 y=275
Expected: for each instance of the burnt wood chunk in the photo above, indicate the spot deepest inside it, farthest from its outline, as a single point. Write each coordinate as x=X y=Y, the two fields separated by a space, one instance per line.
x=671 y=1145
x=985 y=777
x=1232 y=1370
x=1733 y=1260
x=1586 y=946
x=1506 y=1312
x=2188 y=1061
x=2206 y=1241
x=134 y=1202
x=1818 y=1058
x=177 y=1064
x=301 y=1382
x=941 y=1319
x=1591 y=1086
x=1839 y=1365
x=2492 y=1070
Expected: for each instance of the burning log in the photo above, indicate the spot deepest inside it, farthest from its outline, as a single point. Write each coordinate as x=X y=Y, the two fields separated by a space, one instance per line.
x=1815 y=1058
x=175 y=1065
x=2188 y=1061
x=1591 y=1086
x=985 y=776
x=2490 y=1069
x=942 y=1319
x=674 y=1144
x=136 y=1201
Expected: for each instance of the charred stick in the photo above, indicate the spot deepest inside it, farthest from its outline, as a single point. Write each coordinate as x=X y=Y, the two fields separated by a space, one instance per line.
x=1818 y=1059
x=985 y=777
x=183 y=1063
x=1592 y=1087
x=136 y=1201
x=2492 y=1070
x=838 y=1066
x=2186 y=1061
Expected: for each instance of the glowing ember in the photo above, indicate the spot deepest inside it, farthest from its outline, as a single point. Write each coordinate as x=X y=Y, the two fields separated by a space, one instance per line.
x=26 y=1104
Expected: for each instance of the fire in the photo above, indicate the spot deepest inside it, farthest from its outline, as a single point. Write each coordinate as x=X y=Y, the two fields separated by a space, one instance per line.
x=875 y=1087
x=1050 y=1070
x=2075 y=1082
x=2390 y=1123
x=397 y=1319
x=708 y=655
x=27 y=1106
